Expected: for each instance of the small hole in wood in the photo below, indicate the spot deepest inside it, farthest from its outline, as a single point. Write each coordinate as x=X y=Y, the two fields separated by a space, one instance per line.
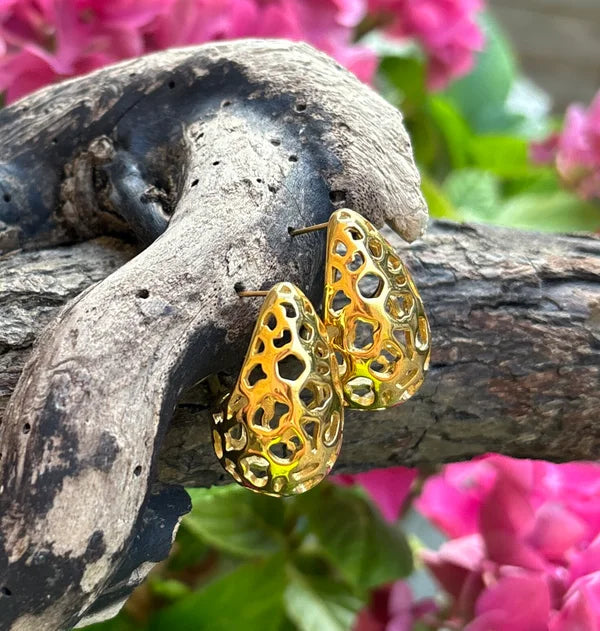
x=272 y=189
x=216 y=162
x=171 y=85
x=239 y=286
x=300 y=107
x=5 y=591
x=138 y=470
x=26 y=428
x=259 y=181
x=226 y=103
x=143 y=293
x=6 y=197
x=195 y=183
x=337 y=197
x=54 y=141
x=275 y=142
x=293 y=158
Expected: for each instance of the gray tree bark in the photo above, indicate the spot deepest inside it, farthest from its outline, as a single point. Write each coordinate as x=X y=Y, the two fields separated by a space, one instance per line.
x=516 y=350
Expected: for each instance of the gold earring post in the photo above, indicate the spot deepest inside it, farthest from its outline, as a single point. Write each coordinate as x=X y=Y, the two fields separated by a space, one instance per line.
x=252 y=294
x=296 y=231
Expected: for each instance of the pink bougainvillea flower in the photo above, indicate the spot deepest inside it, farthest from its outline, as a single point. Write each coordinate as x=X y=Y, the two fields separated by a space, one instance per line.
x=446 y=29
x=42 y=41
x=518 y=601
x=531 y=528
x=452 y=499
x=388 y=488
x=576 y=150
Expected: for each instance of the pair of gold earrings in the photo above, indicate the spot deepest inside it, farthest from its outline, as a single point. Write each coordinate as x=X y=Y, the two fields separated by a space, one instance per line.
x=279 y=431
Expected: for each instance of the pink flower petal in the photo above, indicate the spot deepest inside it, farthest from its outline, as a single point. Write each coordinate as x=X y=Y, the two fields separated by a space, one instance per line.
x=517 y=602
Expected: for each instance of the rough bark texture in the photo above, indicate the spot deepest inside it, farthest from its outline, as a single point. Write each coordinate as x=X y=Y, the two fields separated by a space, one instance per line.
x=208 y=155
x=516 y=350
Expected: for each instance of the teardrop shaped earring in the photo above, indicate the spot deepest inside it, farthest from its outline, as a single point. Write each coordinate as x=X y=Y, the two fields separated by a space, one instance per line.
x=279 y=432
x=373 y=313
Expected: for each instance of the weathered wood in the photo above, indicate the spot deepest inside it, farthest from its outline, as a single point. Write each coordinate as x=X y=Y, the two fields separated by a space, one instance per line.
x=209 y=155
x=516 y=351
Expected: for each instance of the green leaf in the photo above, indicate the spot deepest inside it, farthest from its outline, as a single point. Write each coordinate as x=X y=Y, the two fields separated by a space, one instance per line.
x=169 y=589
x=250 y=598
x=237 y=520
x=453 y=129
x=505 y=156
x=555 y=212
x=475 y=193
x=188 y=550
x=406 y=77
x=315 y=603
x=439 y=205
x=482 y=94
x=122 y=622
x=354 y=536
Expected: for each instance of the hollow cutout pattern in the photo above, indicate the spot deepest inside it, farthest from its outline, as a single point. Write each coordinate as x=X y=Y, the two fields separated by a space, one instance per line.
x=281 y=434
x=380 y=331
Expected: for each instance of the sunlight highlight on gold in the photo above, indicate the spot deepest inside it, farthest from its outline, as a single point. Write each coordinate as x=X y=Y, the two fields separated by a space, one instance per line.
x=280 y=430
x=374 y=315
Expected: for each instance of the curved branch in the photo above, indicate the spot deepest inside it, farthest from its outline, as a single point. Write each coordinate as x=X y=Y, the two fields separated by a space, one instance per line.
x=237 y=142
x=515 y=364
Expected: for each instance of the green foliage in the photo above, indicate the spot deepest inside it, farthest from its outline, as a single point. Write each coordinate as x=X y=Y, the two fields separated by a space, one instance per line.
x=481 y=96
x=471 y=142
x=315 y=603
x=365 y=549
x=235 y=521
x=304 y=563
x=249 y=598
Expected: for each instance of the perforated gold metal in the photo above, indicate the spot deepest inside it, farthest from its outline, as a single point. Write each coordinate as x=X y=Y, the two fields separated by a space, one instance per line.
x=280 y=430
x=373 y=314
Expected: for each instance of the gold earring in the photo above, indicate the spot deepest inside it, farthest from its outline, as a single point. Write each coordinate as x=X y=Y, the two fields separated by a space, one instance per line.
x=279 y=432
x=373 y=313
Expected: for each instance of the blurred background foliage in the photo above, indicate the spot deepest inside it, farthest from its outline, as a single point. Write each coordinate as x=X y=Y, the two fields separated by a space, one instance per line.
x=243 y=561
x=472 y=141
x=246 y=561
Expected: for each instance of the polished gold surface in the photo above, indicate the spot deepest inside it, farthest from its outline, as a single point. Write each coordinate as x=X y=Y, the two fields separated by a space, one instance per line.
x=374 y=315
x=280 y=430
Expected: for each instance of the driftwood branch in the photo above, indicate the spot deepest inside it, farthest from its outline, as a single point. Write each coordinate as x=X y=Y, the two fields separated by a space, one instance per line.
x=208 y=155
x=515 y=365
